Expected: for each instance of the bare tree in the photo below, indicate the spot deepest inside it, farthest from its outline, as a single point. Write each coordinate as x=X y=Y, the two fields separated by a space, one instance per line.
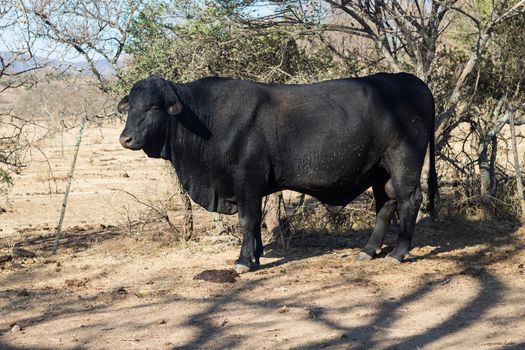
x=68 y=186
x=183 y=196
x=500 y=11
x=17 y=42
x=95 y=30
x=517 y=167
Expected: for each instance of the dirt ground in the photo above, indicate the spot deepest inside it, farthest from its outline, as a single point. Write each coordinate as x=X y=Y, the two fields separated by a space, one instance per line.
x=111 y=288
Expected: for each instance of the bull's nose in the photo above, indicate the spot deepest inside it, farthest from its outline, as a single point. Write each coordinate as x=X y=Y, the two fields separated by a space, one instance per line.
x=125 y=141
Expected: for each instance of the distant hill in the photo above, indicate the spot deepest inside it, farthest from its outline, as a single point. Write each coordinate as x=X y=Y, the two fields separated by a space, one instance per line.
x=25 y=62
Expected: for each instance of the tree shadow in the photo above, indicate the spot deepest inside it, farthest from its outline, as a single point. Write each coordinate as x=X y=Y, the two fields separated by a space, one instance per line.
x=77 y=238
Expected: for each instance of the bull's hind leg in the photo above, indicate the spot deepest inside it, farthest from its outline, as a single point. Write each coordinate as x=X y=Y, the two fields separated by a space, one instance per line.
x=407 y=207
x=385 y=208
x=405 y=165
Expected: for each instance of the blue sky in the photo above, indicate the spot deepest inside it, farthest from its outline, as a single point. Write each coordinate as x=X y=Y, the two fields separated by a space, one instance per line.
x=12 y=39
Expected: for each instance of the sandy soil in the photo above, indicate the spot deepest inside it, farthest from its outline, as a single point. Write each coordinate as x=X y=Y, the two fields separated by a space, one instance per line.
x=110 y=288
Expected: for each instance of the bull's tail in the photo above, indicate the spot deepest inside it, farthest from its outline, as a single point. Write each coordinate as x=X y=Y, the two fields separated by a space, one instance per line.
x=432 y=174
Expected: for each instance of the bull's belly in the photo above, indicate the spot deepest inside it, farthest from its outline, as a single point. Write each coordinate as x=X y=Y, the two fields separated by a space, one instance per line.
x=334 y=190
x=333 y=166
x=328 y=177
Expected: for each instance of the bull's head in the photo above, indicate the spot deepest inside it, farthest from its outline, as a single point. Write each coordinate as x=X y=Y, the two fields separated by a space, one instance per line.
x=150 y=105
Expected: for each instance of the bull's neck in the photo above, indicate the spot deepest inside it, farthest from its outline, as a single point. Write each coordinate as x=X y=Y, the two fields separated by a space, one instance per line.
x=187 y=135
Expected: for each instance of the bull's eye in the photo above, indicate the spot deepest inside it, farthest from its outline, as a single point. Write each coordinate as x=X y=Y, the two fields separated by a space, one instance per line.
x=153 y=108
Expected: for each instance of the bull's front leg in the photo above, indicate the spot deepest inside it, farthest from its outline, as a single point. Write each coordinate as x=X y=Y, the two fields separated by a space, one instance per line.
x=250 y=219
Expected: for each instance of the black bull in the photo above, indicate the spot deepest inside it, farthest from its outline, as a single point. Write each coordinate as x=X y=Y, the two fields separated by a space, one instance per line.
x=233 y=142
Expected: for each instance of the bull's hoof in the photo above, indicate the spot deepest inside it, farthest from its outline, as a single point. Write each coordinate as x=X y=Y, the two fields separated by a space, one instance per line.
x=362 y=256
x=239 y=268
x=390 y=259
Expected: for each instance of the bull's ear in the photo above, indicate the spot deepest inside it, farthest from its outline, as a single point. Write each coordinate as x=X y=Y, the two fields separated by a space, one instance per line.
x=171 y=101
x=123 y=105
x=174 y=108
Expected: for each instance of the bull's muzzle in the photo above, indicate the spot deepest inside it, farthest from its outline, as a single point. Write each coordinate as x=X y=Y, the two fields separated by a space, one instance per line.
x=126 y=141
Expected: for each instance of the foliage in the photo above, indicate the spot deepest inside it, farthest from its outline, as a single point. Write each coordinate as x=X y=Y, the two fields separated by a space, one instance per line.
x=503 y=66
x=207 y=42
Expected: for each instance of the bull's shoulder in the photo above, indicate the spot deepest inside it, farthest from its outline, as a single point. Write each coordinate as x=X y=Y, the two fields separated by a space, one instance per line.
x=222 y=82
x=212 y=80
x=400 y=76
x=213 y=88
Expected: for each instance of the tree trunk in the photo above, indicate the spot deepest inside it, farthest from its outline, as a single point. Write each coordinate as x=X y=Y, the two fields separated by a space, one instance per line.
x=68 y=186
x=485 y=181
x=454 y=105
x=187 y=224
x=423 y=182
x=275 y=218
x=188 y=212
x=517 y=168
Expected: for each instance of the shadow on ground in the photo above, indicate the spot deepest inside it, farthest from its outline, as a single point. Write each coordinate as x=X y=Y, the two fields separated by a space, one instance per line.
x=74 y=239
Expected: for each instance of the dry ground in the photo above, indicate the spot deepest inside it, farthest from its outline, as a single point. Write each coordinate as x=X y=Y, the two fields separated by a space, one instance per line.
x=109 y=288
